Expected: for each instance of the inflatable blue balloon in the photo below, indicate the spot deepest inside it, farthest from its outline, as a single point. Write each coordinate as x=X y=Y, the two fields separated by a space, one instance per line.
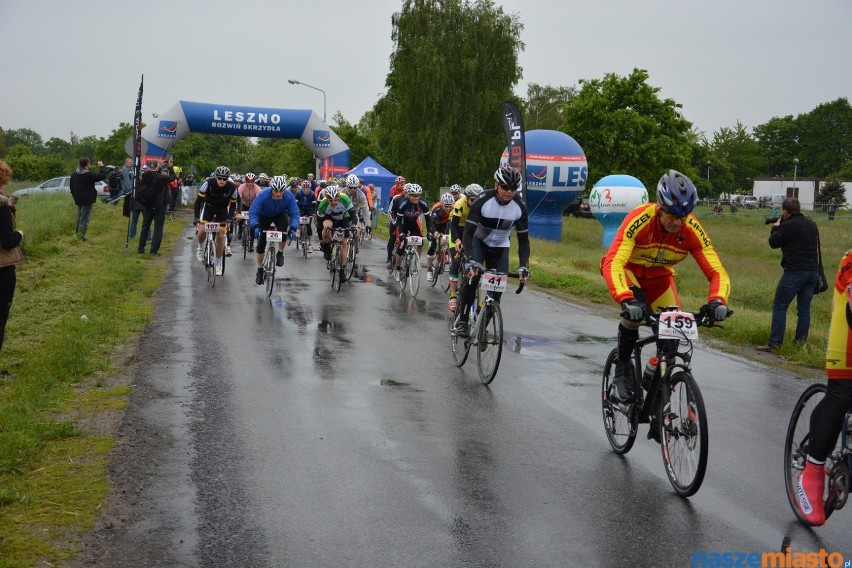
x=556 y=174
x=612 y=198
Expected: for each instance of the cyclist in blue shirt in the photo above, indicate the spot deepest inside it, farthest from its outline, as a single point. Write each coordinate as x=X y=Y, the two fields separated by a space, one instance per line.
x=273 y=205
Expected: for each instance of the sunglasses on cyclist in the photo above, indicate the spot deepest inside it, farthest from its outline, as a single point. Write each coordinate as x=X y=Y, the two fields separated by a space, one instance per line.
x=504 y=188
x=221 y=178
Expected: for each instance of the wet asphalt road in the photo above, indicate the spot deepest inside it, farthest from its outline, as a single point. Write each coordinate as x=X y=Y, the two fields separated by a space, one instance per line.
x=332 y=429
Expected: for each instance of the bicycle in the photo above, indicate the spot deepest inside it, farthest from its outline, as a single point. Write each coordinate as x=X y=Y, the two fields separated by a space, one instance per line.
x=838 y=464
x=302 y=241
x=351 y=253
x=246 y=237
x=441 y=264
x=335 y=264
x=484 y=325
x=208 y=256
x=272 y=240
x=674 y=406
x=408 y=273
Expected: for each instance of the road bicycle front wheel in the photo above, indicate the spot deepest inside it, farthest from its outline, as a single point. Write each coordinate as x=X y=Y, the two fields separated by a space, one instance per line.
x=303 y=240
x=210 y=261
x=245 y=240
x=620 y=421
x=796 y=445
x=683 y=434
x=350 y=261
x=269 y=270
x=490 y=342
x=414 y=273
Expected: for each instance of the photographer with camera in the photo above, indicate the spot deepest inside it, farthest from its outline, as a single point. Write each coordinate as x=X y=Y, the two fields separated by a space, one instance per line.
x=797 y=237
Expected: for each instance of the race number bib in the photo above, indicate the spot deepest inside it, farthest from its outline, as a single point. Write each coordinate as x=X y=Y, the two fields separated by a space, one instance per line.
x=675 y=325
x=414 y=241
x=493 y=282
x=304 y=220
x=211 y=227
x=338 y=235
x=274 y=236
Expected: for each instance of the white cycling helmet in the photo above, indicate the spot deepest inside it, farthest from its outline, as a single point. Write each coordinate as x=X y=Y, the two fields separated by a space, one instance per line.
x=332 y=192
x=448 y=199
x=413 y=189
x=352 y=181
x=222 y=171
x=278 y=183
x=473 y=190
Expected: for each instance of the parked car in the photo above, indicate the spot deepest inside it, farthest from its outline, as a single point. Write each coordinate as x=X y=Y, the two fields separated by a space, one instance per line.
x=579 y=208
x=749 y=202
x=61 y=185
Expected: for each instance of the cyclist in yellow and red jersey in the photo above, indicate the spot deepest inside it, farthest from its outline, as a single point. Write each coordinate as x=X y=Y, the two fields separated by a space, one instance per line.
x=438 y=222
x=457 y=220
x=827 y=416
x=639 y=266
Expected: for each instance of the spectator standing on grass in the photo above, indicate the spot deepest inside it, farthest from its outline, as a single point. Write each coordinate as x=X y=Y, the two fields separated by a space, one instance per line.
x=797 y=237
x=832 y=208
x=84 y=193
x=127 y=176
x=10 y=251
x=156 y=210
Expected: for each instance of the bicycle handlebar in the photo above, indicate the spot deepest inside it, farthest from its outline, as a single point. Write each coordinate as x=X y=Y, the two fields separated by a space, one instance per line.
x=702 y=318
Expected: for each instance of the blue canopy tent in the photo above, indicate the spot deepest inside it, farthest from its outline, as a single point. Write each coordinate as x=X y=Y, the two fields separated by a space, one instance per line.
x=370 y=171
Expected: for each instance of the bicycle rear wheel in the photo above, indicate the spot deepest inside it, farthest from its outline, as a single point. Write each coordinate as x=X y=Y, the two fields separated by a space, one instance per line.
x=443 y=272
x=460 y=344
x=683 y=432
x=350 y=261
x=620 y=420
x=414 y=274
x=797 y=442
x=490 y=342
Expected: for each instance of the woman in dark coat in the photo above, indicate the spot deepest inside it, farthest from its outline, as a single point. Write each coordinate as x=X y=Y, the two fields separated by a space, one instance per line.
x=10 y=252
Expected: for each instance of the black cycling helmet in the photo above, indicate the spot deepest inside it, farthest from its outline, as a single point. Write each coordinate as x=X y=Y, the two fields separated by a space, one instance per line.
x=676 y=193
x=507 y=176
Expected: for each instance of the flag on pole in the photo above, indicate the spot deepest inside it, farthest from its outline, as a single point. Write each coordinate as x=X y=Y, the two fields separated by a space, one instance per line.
x=513 y=126
x=137 y=138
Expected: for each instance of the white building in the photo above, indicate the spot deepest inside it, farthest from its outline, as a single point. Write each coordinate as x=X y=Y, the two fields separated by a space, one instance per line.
x=805 y=189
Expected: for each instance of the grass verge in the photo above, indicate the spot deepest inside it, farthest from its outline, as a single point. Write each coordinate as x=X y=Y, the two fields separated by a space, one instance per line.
x=52 y=454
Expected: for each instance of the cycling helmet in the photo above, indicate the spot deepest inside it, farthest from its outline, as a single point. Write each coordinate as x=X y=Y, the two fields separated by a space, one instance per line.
x=306 y=183
x=413 y=189
x=332 y=192
x=473 y=190
x=278 y=183
x=448 y=199
x=294 y=182
x=352 y=181
x=262 y=176
x=222 y=171
x=250 y=176
x=455 y=189
x=676 y=193
x=507 y=176
x=399 y=180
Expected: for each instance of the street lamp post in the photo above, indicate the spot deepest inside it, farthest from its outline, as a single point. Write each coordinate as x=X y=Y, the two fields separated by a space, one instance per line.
x=795 y=171
x=708 y=171
x=295 y=82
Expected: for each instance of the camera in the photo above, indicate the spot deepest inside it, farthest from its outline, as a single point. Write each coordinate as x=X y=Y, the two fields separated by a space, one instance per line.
x=770 y=220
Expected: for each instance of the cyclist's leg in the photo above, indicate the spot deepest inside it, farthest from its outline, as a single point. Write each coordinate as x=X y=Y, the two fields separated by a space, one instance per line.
x=477 y=254
x=430 y=254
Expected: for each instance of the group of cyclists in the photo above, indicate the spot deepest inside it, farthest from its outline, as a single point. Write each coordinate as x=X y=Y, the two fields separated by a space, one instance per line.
x=638 y=266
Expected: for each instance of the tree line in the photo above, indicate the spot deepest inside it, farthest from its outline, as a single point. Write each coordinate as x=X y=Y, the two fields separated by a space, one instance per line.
x=438 y=121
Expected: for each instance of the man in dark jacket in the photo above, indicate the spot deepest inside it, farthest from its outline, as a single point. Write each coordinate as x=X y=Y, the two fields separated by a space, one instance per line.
x=84 y=193
x=797 y=237
x=156 y=210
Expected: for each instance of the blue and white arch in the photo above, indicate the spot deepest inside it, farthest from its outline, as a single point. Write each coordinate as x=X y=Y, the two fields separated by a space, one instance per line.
x=207 y=118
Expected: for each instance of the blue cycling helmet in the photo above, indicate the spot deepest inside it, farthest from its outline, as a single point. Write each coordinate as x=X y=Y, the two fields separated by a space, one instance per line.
x=676 y=193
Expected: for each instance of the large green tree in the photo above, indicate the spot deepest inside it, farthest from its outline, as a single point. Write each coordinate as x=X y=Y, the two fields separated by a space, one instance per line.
x=737 y=152
x=625 y=127
x=453 y=63
x=543 y=106
x=779 y=137
x=826 y=138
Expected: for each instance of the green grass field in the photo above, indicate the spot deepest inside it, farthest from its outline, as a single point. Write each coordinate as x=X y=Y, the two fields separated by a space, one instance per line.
x=53 y=464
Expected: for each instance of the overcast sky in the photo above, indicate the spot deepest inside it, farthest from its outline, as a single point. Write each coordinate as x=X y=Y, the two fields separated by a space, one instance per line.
x=75 y=66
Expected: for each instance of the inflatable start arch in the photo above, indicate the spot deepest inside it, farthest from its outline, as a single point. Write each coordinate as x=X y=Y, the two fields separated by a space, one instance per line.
x=295 y=124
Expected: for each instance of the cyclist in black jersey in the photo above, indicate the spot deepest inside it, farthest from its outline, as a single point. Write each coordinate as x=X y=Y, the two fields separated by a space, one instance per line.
x=486 y=234
x=216 y=201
